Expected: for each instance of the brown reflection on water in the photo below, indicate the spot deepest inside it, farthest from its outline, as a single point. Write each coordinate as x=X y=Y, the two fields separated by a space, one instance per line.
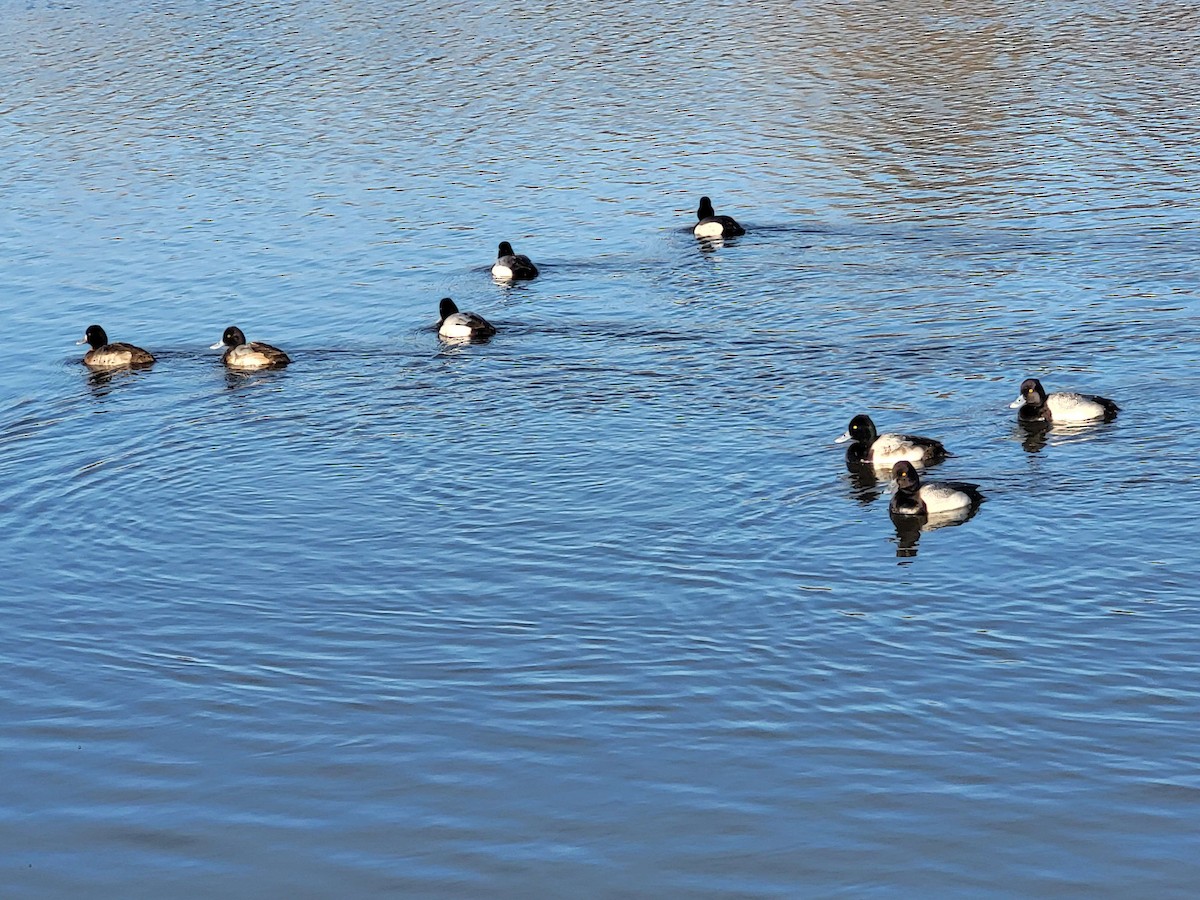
x=956 y=105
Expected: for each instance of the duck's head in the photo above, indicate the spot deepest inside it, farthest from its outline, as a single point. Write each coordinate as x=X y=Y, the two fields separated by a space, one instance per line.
x=232 y=337
x=861 y=430
x=1032 y=393
x=904 y=474
x=95 y=335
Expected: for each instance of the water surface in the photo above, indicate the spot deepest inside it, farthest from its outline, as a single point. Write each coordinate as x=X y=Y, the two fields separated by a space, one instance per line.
x=596 y=609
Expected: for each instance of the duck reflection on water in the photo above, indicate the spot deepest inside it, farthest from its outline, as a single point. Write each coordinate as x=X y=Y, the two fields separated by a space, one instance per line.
x=866 y=483
x=1035 y=436
x=242 y=379
x=910 y=528
x=102 y=382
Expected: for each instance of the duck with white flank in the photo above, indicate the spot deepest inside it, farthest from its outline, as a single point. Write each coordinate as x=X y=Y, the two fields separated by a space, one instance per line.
x=248 y=355
x=887 y=449
x=710 y=225
x=462 y=325
x=1038 y=406
x=116 y=355
x=511 y=266
x=915 y=499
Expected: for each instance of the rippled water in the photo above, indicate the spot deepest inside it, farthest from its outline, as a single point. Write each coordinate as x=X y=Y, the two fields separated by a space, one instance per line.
x=596 y=609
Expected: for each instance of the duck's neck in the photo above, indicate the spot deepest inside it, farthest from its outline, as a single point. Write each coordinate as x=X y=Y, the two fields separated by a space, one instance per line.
x=1033 y=412
x=908 y=500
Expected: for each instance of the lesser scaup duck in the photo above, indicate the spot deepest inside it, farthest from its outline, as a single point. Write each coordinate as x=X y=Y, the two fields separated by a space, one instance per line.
x=455 y=324
x=241 y=354
x=1038 y=406
x=104 y=355
x=710 y=225
x=511 y=266
x=887 y=449
x=915 y=499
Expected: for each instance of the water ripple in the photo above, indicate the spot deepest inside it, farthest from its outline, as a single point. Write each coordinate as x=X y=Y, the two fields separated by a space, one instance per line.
x=597 y=602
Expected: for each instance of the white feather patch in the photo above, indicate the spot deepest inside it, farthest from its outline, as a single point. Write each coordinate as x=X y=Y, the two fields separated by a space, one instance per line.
x=1073 y=408
x=457 y=325
x=108 y=359
x=890 y=449
x=246 y=357
x=941 y=498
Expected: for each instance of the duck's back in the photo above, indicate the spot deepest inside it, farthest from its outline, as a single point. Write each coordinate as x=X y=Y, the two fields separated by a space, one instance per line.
x=515 y=266
x=891 y=448
x=1071 y=407
x=718 y=226
x=942 y=496
x=117 y=355
x=466 y=325
x=256 y=355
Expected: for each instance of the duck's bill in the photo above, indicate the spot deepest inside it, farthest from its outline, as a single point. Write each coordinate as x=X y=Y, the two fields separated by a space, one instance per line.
x=217 y=346
x=1020 y=401
x=83 y=341
x=841 y=440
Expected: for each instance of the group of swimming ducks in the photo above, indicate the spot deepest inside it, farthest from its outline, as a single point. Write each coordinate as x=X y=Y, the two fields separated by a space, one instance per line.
x=244 y=355
x=901 y=454
x=946 y=502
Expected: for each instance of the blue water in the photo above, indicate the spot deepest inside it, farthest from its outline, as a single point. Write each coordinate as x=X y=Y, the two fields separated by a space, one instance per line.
x=596 y=608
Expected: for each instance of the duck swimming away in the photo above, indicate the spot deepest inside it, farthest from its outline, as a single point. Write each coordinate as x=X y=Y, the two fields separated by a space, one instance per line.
x=710 y=225
x=511 y=266
x=462 y=325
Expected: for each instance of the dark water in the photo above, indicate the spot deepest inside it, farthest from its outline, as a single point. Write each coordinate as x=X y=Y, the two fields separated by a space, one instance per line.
x=595 y=609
